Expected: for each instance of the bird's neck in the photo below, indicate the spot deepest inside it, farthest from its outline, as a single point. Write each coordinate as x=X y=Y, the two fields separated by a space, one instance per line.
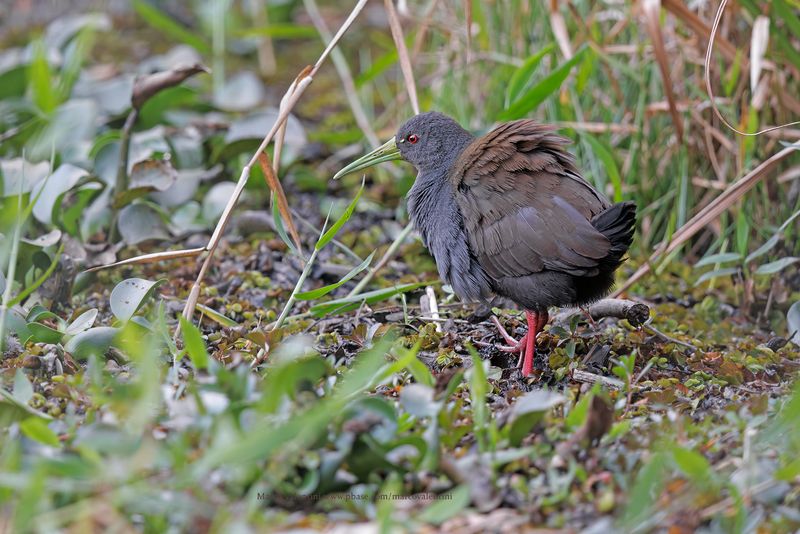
x=432 y=206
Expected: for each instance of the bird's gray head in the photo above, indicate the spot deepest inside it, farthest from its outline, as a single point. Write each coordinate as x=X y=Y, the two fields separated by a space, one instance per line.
x=431 y=140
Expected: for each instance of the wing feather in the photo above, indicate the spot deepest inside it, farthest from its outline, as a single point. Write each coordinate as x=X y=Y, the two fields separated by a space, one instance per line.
x=525 y=207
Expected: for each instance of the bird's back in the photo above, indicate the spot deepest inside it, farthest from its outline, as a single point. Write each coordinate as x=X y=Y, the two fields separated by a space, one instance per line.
x=542 y=234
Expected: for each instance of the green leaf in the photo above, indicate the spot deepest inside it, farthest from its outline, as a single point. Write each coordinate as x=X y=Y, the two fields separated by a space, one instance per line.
x=40 y=313
x=446 y=506
x=693 y=464
x=722 y=257
x=346 y=304
x=23 y=389
x=577 y=416
x=44 y=334
x=523 y=75
x=539 y=92
x=377 y=67
x=94 y=341
x=40 y=80
x=785 y=13
x=39 y=281
x=727 y=271
x=279 y=31
x=12 y=409
x=195 y=346
x=322 y=291
x=333 y=230
x=645 y=492
x=37 y=430
x=83 y=322
x=763 y=249
x=777 y=265
x=216 y=316
x=163 y=22
x=479 y=388
x=793 y=324
x=528 y=411
x=130 y=295
x=742 y=234
x=789 y=471
x=604 y=153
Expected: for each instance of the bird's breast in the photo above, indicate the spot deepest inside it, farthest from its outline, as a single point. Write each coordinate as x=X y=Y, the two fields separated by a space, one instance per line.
x=433 y=210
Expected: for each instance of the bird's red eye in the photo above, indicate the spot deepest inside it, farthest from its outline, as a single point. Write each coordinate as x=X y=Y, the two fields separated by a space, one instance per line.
x=412 y=138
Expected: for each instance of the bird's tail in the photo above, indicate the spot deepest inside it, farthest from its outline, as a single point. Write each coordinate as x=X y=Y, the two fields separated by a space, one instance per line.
x=617 y=224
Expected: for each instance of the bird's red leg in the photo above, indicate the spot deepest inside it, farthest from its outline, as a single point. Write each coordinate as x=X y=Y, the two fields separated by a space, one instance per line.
x=544 y=317
x=530 y=345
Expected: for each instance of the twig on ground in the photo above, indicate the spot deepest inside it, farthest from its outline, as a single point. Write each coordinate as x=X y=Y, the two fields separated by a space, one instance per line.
x=579 y=375
x=635 y=313
x=434 y=306
x=665 y=337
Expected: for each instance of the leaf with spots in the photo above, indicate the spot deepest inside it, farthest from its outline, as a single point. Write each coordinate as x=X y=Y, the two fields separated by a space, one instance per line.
x=130 y=295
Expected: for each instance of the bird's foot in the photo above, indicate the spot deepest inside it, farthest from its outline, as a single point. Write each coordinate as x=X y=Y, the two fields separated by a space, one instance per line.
x=512 y=344
x=510 y=340
x=526 y=347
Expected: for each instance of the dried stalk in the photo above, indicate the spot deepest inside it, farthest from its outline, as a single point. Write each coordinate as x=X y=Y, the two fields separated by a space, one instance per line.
x=271 y=178
x=707 y=70
x=706 y=215
x=294 y=93
x=402 y=53
x=152 y=258
x=652 y=11
x=346 y=77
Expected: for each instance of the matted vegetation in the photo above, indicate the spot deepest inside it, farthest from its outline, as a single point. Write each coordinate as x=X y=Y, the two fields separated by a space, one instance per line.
x=180 y=357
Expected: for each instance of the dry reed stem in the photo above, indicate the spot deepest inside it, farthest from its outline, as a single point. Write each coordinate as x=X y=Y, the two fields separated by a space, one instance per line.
x=402 y=53
x=408 y=76
x=652 y=11
x=295 y=91
x=707 y=72
x=280 y=198
x=152 y=258
x=678 y=8
x=345 y=75
x=422 y=31
x=559 y=28
x=707 y=215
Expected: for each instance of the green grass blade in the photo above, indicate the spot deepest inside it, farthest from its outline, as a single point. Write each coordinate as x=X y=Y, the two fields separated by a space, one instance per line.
x=539 y=92
x=334 y=229
x=163 y=22
x=322 y=291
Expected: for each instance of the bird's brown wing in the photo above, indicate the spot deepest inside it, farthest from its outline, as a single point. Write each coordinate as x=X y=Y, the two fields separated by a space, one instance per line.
x=525 y=207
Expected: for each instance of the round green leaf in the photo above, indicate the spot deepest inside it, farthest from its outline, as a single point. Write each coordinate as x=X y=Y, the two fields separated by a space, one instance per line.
x=130 y=295
x=93 y=341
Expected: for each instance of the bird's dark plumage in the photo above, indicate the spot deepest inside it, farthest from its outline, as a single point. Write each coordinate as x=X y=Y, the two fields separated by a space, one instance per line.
x=509 y=213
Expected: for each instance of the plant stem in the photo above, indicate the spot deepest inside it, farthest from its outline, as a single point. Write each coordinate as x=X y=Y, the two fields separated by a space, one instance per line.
x=122 y=167
x=11 y=272
x=384 y=260
x=288 y=307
